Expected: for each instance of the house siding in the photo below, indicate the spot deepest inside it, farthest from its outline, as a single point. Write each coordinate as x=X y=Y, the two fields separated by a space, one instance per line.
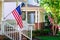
x=0 y=10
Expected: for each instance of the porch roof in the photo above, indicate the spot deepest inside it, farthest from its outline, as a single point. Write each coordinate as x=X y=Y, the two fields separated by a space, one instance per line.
x=34 y=8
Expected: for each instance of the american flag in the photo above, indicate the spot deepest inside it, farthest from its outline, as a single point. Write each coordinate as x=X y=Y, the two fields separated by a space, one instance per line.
x=17 y=13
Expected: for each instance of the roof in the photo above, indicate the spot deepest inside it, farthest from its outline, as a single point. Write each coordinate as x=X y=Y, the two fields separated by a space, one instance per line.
x=13 y=0
x=30 y=5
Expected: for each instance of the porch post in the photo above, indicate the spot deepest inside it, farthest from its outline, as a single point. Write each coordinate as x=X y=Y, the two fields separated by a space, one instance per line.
x=20 y=35
x=2 y=22
x=31 y=33
x=2 y=27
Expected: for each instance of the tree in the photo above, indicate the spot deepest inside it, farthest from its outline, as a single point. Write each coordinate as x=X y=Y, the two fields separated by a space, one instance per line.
x=52 y=6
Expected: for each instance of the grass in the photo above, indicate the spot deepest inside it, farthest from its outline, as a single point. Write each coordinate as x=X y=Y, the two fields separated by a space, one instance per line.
x=49 y=37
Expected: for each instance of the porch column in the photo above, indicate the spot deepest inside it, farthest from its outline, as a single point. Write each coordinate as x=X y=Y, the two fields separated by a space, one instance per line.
x=36 y=20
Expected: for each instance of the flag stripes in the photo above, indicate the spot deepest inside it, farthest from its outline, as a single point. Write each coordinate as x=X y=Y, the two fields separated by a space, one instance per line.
x=18 y=18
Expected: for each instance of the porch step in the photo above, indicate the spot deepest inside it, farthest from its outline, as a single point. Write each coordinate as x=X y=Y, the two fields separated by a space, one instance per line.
x=36 y=39
x=24 y=38
x=3 y=37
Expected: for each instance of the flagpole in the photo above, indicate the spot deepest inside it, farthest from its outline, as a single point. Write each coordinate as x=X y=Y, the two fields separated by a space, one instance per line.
x=10 y=12
x=7 y=15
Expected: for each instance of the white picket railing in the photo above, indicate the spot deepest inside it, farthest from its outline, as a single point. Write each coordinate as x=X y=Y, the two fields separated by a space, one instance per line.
x=13 y=33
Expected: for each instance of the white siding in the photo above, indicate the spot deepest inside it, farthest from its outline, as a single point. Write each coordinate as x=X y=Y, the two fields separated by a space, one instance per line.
x=8 y=7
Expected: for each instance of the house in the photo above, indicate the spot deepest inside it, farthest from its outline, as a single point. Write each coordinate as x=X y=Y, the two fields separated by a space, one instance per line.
x=0 y=13
x=32 y=15
x=0 y=10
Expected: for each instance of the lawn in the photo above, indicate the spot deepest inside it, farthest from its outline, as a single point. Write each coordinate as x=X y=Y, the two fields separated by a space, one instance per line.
x=49 y=37
x=45 y=35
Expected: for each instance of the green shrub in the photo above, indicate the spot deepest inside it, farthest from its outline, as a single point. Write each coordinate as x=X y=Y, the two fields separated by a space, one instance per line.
x=40 y=32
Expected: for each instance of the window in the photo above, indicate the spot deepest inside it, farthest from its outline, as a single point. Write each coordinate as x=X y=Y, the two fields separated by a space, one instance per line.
x=23 y=15
x=31 y=17
x=36 y=1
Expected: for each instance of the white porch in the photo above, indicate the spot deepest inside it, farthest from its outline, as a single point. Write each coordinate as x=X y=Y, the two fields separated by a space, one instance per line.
x=12 y=32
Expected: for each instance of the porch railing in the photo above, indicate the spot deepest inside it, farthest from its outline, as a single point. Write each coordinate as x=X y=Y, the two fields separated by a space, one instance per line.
x=13 y=33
